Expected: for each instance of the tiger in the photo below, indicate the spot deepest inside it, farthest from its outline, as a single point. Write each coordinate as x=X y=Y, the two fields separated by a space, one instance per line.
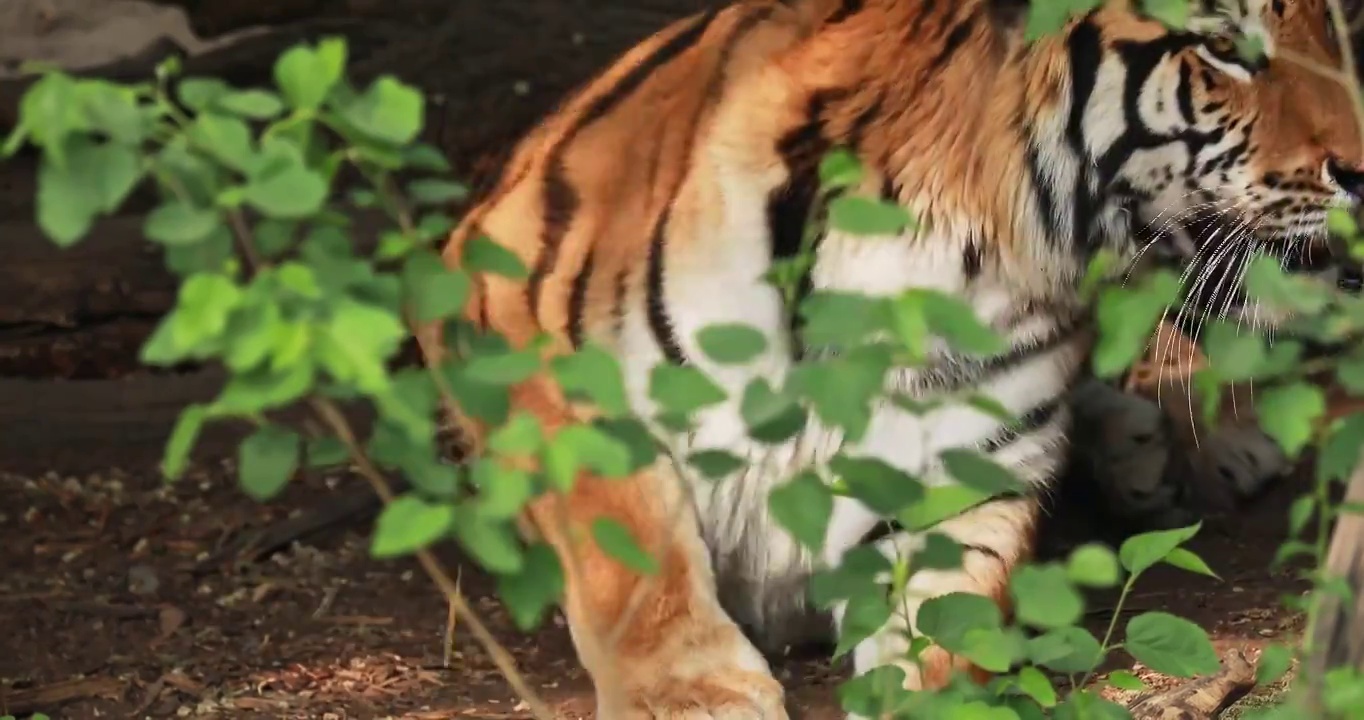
x=652 y=202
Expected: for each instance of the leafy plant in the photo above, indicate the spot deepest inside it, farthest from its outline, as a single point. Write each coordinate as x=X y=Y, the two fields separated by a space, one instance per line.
x=278 y=285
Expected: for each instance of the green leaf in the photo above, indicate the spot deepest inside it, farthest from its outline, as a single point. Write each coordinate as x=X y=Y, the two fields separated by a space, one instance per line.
x=1288 y=413
x=866 y=612
x=1127 y=316
x=1094 y=565
x=1139 y=552
x=434 y=291
x=1341 y=223
x=617 y=541
x=1299 y=513
x=732 y=344
x=1174 y=13
x=432 y=191
x=181 y=442
x=1044 y=598
x=1350 y=373
x=1170 y=645
x=1037 y=686
x=1338 y=455
x=715 y=464
x=1267 y=282
x=974 y=470
x=955 y=321
x=528 y=593
x=264 y=388
x=1066 y=650
x=1250 y=48
x=408 y=524
x=860 y=215
x=880 y=486
x=682 y=390
x=843 y=389
x=306 y=76
x=227 y=139
x=586 y=446
x=594 y=373
x=1046 y=18
x=839 y=168
x=492 y=543
x=771 y=417
x=1183 y=559
x=205 y=303
x=833 y=318
x=1086 y=705
x=520 y=436
x=93 y=179
x=1275 y=660
x=993 y=649
x=948 y=619
x=481 y=254
x=940 y=503
x=1232 y=354
x=503 y=368
x=860 y=567
x=939 y=552
x=357 y=342
x=179 y=223
x=287 y=191
x=1125 y=680
x=325 y=452
x=803 y=506
x=253 y=104
x=267 y=459
x=502 y=490
x=389 y=110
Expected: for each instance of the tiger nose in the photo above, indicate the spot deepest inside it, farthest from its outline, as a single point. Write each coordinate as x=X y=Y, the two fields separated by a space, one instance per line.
x=1347 y=176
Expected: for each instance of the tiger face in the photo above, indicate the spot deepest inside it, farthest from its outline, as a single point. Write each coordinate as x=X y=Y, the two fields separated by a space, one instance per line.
x=1227 y=153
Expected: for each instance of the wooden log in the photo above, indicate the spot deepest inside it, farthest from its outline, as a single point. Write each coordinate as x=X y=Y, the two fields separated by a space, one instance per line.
x=1201 y=698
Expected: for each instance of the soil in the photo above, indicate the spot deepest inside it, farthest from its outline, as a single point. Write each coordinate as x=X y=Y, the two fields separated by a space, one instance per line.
x=107 y=608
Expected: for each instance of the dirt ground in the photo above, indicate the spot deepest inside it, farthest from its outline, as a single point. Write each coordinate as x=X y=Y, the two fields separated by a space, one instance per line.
x=108 y=608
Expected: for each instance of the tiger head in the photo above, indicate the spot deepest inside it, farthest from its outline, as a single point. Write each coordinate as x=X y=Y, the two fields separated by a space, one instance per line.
x=1230 y=137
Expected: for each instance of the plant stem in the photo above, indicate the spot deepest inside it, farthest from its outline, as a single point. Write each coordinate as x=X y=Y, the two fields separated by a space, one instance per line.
x=501 y=657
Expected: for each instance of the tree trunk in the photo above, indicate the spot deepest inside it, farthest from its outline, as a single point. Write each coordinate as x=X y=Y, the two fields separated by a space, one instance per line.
x=1338 y=635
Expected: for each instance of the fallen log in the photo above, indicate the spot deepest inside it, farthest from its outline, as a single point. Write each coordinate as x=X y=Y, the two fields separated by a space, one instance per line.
x=1201 y=698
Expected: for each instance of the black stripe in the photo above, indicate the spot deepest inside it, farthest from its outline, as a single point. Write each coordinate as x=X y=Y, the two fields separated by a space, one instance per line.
x=953 y=373
x=846 y=9
x=1043 y=194
x=890 y=526
x=790 y=207
x=577 y=300
x=560 y=200
x=1185 y=93
x=972 y=258
x=960 y=32
x=656 y=302
x=983 y=550
x=1031 y=421
x=659 y=324
x=1086 y=50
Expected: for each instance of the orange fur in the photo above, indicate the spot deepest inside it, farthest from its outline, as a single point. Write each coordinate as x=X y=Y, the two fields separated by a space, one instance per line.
x=642 y=160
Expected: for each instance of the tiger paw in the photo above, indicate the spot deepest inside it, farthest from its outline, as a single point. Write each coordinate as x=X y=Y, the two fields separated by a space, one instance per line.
x=1243 y=460
x=710 y=676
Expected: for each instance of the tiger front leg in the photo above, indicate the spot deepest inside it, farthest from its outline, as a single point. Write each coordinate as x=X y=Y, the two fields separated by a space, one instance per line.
x=995 y=537
x=657 y=645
